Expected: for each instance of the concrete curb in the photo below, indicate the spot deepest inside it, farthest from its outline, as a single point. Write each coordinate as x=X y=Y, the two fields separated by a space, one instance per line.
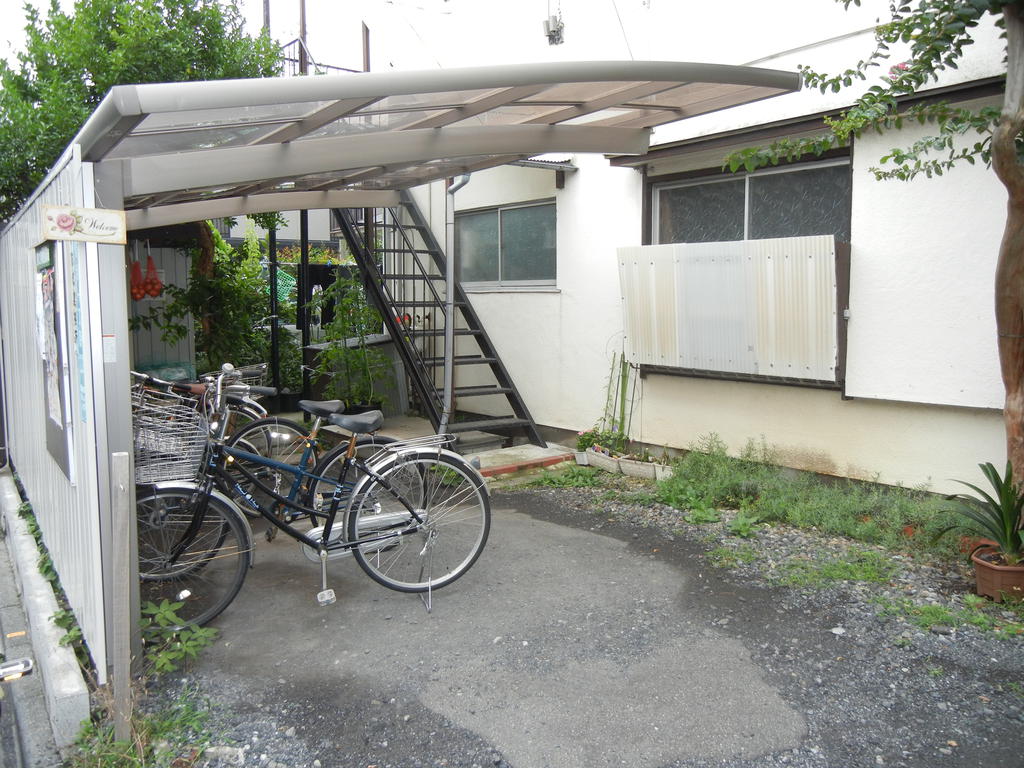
x=507 y=469
x=64 y=690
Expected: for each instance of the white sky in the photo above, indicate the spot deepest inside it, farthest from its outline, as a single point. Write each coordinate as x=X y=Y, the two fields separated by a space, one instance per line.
x=429 y=33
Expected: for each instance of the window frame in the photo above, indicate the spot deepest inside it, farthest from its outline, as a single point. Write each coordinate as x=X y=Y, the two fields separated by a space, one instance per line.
x=509 y=284
x=700 y=178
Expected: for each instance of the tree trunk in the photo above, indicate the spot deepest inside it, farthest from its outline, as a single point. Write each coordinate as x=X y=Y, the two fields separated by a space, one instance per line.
x=1009 y=284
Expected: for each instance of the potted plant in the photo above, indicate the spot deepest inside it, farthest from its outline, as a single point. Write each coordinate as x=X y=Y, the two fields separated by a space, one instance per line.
x=350 y=368
x=999 y=561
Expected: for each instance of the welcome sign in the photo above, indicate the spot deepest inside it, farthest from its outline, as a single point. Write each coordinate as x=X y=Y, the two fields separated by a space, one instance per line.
x=96 y=225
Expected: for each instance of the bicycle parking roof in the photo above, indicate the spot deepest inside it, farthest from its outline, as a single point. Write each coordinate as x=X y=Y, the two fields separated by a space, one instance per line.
x=194 y=150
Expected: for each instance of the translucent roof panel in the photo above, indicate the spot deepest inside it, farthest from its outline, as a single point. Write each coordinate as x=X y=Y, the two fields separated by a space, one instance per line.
x=184 y=142
x=137 y=145
x=192 y=118
x=388 y=121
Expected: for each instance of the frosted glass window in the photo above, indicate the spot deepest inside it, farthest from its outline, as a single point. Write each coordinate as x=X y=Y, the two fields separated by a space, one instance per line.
x=528 y=243
x=701 y=213
x=507 y=246
x=476 y=245
x=811 y=202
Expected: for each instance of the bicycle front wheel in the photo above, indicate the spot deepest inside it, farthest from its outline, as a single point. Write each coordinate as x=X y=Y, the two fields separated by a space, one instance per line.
x=275 y=438
x=199 y=567
x=411 y=555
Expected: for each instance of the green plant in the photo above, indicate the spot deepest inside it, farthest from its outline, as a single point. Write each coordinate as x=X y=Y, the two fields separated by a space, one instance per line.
x=977 y=612
x=573 y=477
x=72 y=58
x=350 y=367
x=225 y=303
x=167 y=646
x=701 y=514
x=854 y=565
x=173 y=736
x=727 y=557
x=607 y=439
x=743 y=524
x=996 y=517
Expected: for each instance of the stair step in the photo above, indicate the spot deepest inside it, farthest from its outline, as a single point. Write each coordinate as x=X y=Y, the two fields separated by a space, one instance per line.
x=425 y=251
x=410 y=276
x=438 y=304
x=489 y=425
x=421 y=227
x=440 y=332
x=481 y=391
x=468 y=443
x=460 y=360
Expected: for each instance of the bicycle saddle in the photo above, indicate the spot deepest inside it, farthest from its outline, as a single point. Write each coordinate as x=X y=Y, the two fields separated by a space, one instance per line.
x=322 y=408
x=357 y=424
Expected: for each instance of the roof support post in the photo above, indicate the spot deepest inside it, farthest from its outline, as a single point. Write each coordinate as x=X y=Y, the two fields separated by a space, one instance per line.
x=106 y=276
x=449 y=302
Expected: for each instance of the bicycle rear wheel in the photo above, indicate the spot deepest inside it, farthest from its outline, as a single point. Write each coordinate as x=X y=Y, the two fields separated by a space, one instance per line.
x=403 y=554
x=204 y=577
x=273 y=438
x=319 y=492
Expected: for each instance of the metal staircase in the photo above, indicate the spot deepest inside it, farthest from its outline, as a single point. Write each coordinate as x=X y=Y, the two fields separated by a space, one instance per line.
x=404 y=273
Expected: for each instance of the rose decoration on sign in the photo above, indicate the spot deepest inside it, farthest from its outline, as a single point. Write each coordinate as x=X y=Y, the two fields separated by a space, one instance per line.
x=66 y=222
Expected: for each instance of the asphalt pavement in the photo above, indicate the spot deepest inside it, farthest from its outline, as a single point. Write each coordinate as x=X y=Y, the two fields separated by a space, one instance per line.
x=563 y=647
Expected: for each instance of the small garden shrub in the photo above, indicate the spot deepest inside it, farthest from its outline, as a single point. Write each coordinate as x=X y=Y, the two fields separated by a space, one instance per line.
x=608 y=439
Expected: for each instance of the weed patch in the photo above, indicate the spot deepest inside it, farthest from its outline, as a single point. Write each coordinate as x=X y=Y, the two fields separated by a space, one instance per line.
x=727 y=557
x=855 y=565
x=573 y=477
x=171 y=736
x=977 y=612
x=708 y=477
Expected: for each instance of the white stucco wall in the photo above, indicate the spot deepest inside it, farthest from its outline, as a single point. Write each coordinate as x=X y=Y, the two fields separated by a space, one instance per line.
x=922 y=325
x=557 y=342
x=921 y=365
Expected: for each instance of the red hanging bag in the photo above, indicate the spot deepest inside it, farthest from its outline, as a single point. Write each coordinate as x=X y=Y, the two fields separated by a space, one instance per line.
x=152 y=282
x=135 y=283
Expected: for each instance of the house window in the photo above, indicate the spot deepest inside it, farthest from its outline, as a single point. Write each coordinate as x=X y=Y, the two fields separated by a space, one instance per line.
x=791 y=202
x=511 y=245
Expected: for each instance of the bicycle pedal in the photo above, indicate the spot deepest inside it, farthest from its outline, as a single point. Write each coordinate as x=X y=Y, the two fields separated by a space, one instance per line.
x=270 y=534
x=326 y=597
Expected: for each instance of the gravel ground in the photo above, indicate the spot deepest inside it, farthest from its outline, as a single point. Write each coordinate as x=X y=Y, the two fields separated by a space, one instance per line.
x=882 y=690
x=874 y=688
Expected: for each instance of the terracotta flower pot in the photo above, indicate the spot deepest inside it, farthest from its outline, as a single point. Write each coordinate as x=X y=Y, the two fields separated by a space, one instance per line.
x=995 y=580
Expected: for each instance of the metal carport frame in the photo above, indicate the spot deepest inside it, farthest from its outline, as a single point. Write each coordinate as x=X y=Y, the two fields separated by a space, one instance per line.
x=179 y=152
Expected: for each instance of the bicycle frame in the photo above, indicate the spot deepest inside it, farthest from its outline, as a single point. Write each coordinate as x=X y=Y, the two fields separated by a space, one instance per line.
x=218 y=474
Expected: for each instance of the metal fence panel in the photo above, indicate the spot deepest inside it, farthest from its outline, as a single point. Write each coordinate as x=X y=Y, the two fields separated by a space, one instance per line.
x=66 y=504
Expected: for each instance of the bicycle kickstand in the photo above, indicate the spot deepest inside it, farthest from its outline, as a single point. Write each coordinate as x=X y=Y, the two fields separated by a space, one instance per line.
x=325 y=596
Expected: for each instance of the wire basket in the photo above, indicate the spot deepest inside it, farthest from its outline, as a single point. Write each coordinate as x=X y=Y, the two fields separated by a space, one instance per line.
x=170 y=437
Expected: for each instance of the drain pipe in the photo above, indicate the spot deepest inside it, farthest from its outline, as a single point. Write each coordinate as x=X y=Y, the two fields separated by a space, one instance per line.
x=449 y=303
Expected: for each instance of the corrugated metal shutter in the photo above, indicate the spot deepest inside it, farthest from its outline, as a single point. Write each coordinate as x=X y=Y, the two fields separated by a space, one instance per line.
x=745 y=308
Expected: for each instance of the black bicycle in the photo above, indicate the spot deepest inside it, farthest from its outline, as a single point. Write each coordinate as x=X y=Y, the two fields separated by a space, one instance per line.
x=414 y=514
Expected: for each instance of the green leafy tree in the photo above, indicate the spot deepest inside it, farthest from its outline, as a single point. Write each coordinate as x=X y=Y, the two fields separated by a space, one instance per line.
x=936 y=33
x=71 y=61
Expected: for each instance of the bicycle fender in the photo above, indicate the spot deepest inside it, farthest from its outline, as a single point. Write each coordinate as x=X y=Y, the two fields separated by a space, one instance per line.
x=222 y=497
x=425 y=451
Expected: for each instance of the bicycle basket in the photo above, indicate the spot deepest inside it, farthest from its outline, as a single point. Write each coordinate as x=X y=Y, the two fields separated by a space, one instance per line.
x=170 y=439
